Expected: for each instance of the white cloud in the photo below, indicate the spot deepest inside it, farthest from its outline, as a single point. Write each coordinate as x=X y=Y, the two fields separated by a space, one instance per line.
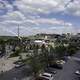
x=32 y=26
x=74 y=8
x=48 y=6
x=29 y=20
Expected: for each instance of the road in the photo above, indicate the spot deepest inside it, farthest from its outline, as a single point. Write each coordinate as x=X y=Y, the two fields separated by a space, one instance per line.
x=20 y=74
x=69 y=68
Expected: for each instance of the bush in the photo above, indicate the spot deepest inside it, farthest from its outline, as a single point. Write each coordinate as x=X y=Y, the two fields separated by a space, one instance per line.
x=71 y=51
x=15 y=54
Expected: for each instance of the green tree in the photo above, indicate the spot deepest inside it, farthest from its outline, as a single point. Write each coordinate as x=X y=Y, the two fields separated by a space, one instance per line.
x=51 y=53
x=44 y=55
x=34 y=61
x=3 y=44
x=71 y=49
x=60 y=51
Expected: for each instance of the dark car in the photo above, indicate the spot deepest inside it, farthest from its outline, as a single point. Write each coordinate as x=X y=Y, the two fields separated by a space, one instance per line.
x=58 y=66
x=39 y=78
x=17 y=62
x=50 y=70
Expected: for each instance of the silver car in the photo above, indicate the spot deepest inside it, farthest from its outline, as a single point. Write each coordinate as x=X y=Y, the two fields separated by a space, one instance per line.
x=47 y=76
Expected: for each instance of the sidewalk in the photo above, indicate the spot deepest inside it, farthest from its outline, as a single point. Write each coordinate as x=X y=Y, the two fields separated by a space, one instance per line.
x=7 y=64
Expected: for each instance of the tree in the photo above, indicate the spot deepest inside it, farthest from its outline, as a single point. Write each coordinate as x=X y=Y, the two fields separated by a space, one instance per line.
x=60 y=51
x=71 y=49
x=44 y=55
x=34 y=61
x=51 y=53
x=16 y=53
x=3 y=44
x=35 y=64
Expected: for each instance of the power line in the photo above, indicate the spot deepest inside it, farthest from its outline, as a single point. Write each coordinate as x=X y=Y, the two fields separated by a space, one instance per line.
x=71 y=1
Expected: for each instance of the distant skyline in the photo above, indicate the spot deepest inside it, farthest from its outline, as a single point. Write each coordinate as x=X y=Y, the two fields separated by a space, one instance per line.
x=39 y=16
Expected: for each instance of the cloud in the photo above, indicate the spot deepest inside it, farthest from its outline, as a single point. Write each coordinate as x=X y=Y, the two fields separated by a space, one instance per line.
x=48 y=6
x=28 y=17
x=28 y=27
x=33 y=25
x=43 y=6
x=74 y=8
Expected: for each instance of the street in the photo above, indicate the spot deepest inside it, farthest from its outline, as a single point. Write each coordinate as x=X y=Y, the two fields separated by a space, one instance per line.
x=16 y=74
x=69 y=68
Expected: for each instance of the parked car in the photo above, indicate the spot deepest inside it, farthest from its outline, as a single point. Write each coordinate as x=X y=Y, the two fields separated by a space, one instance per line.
x=40 y=78
x=50 y=70
x=18 y=62
x=55 y=65
x=60 y=62
x=19 y=65
x=77 y=72
x=46 y=76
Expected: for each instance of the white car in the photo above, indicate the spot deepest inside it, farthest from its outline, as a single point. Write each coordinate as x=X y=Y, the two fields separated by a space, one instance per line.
x=19 y=65
x=47 y=76
x=60 y=62
x=77 y=72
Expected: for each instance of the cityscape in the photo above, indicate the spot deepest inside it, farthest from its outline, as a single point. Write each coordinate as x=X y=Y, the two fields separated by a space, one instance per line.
x=39 y=39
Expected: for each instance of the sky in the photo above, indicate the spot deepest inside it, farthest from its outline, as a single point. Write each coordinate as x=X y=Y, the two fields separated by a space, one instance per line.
x=39 y=16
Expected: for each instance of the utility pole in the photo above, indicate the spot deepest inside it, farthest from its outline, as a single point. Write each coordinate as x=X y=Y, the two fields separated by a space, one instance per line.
x=18 y=32
x=18 y=35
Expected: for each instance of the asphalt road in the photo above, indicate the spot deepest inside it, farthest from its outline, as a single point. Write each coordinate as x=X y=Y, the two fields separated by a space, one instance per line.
x=69 y=68
x=20 y=74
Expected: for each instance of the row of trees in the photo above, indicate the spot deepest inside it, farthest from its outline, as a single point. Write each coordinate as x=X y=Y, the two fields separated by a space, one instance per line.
x=24 y=47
